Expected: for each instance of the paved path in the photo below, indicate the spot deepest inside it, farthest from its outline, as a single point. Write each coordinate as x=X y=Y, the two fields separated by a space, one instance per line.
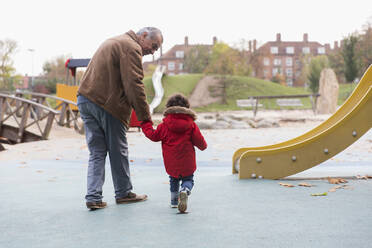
x=42 y=186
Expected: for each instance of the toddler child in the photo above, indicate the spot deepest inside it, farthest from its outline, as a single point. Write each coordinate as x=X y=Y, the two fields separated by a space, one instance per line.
x=178 y=134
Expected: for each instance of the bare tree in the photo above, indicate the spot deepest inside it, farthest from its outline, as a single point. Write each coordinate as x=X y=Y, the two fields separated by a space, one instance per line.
x=8 y=48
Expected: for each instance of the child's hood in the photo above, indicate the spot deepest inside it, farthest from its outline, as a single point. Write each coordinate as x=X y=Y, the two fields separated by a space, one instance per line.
x=179 y=119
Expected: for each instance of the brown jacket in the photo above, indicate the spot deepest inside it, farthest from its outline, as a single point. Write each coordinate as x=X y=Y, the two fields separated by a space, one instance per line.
x=113 y=79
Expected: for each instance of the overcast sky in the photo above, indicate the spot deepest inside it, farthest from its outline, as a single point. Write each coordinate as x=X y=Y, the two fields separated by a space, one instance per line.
x=77 y=28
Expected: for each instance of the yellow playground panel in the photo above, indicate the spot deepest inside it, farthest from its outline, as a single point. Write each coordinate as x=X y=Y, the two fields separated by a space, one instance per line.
x=343 y=128
x=68 y=90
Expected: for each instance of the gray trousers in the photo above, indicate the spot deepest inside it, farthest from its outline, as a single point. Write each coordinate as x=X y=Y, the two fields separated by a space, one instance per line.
x=105 y=133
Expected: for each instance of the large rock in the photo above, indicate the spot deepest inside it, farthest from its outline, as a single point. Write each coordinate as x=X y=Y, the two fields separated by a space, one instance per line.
x=328 y=90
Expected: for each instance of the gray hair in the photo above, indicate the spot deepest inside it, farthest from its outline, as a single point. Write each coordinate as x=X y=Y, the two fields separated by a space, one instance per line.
x=152 y=32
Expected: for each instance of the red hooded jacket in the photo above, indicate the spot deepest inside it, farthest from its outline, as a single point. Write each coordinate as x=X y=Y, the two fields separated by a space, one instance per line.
x=178 y=134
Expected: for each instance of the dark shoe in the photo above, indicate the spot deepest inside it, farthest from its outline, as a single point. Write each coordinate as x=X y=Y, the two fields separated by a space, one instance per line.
x=96 y=205
x=131 y=197
x=182 y=205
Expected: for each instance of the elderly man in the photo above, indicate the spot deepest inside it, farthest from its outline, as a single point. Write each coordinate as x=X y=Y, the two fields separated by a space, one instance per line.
x=110 y=88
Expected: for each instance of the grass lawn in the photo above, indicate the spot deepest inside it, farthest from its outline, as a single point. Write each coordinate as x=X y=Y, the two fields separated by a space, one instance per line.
x=237 y=87
x=172 y=84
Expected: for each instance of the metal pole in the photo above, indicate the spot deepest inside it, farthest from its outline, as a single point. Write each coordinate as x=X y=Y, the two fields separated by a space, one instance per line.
x=31 y=50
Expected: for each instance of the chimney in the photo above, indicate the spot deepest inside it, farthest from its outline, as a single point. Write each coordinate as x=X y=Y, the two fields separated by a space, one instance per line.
x=186 y=41
x=278 y=38
x=250 y=45
x=327 y=47
x=306 y=37
x=254 y=45
x=335 y=46
x=214 y=40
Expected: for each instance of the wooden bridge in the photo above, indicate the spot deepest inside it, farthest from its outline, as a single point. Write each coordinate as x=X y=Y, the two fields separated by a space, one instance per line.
x=25 y=120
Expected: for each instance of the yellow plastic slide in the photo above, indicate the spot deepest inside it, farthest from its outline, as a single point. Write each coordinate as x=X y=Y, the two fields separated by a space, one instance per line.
x=343 y=128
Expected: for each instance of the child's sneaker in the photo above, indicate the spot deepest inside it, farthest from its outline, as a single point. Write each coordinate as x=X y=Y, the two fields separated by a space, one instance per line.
x=174 y=200
x=182 y=205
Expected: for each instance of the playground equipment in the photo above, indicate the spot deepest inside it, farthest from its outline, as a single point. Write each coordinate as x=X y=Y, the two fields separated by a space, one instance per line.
x=68 y=90
x=156 y=82
x=343 y=128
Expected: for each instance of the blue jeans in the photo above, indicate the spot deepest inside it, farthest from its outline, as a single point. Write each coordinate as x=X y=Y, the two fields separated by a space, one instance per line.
x=104 y=134
x=187 y=183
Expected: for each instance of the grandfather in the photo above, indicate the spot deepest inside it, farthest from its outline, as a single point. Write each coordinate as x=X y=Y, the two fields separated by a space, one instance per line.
x=110 y=88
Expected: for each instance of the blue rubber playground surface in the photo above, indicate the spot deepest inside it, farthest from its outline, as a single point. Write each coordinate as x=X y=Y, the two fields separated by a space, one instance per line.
x=43 y=205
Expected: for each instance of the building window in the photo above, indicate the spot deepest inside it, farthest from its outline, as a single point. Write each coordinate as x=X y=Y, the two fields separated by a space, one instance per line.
x=289 y=72
x=289 y=50
x=275 y=71
x=288 y=61
x=289 y=81
x=277 y=61
x=321 y=50
x=179 y=54
x=266 y=61
x=274 y=50
x=180 y=66
x=306 y=50
x=171 y=66
x=265 y=73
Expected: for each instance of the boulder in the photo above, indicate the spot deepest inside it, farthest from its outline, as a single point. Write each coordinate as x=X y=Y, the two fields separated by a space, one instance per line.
x=328 y=90
x=220 y=124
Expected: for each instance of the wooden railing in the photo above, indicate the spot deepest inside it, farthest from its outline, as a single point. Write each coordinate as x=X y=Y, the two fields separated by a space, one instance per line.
x=26 y=117
x=254 y=100
x=67 y=114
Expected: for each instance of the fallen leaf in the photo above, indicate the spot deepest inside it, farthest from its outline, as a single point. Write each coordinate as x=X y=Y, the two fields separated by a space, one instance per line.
x=148 y=160
x=340 y=187
x=23 y=162
x=319 y=194
x=39 y=171
x=369 y=177
x=304 y=184
x=286 y=185
x=58 y=158
x=334 y=188
x=336 y=180
x=361 y=177
x=131 y=160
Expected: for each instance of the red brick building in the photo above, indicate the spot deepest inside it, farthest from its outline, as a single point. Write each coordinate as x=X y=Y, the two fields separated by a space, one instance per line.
x=286 y=58
x=173 y=59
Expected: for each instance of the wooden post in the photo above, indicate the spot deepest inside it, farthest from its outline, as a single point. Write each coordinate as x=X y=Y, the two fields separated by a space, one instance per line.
x=26 y=113
x=63 y=114
x=255 y=108
x=2 y=109
x=48 y=126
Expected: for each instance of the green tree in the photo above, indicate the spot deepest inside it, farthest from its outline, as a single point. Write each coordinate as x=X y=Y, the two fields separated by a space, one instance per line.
x=196 y=59
x=315 y=67
x=225 y=60
x=54 y=71
x=351 y=60
x=8 y=48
